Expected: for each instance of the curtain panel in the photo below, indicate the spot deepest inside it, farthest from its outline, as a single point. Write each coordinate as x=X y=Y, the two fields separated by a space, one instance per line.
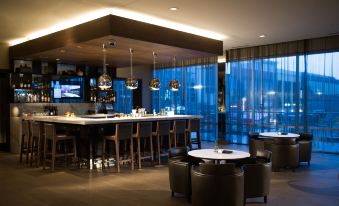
x=197 y=95
x=307 y=46
x=295 y=93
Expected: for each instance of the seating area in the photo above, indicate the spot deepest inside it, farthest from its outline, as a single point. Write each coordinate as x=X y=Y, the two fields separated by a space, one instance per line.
x=286 y=152
x=314 y=185
x=204 y=183
x=201 y=181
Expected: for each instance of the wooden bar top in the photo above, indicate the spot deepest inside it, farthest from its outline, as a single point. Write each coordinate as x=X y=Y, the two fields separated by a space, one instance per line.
x=105 y=119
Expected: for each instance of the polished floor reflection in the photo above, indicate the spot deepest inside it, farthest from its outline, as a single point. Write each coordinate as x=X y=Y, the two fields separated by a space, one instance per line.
x=21 y=185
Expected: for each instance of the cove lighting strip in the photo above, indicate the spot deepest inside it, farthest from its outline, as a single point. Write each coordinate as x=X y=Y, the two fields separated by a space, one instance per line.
x=122 y=13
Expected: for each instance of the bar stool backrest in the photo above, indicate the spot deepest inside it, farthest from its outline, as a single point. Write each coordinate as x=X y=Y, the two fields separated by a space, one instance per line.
x=144 y=129
x=194 y=125
x=26 y=128
x=35 y=129
x=163 y=127
x=49 y=131
x=124 y=131
x=180 y=126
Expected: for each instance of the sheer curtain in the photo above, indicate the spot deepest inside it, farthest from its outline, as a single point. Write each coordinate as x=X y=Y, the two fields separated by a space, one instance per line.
x=196 y=96
x=292 y=87
x=123 y=97
x=322 y=100
x=260 y=96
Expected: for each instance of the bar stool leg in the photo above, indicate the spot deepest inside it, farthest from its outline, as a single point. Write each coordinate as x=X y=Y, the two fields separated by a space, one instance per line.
x=117 y=154
x=21 y=148
x=103 y=152
x=27 y=150
x=53 y=153
x=188 y=133
x=45 y=151
x=75 y=149
x=175 y=139
x=65 y=152
x=31 y=152
x=151 y=148
x=159 y=156
x=38 y=152
x=132 y=155
x=139 y=154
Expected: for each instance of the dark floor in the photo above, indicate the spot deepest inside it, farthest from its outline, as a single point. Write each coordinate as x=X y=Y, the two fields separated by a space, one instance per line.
x=21 y=185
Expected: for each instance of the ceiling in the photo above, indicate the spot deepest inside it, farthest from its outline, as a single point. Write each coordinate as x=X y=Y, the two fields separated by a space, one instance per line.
x=241 y=21
x=90 y=53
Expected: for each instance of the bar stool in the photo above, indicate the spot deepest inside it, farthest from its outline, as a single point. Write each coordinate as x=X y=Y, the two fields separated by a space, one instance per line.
x=144 y=131
x=25 y=147
x=162 y=129
x=53 y=138
x=193 y=126
x=123 y=131
x=36 y=143
x=179 y=128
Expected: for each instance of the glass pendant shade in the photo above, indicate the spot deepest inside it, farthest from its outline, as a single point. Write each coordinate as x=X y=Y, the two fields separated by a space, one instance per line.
x=131 y=82
x=174 y=85
x=104 y=81
x=154 y=84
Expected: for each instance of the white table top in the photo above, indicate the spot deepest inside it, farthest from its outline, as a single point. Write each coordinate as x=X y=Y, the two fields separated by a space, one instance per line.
x=89 y=121
x=278 y=135
x=212 y=155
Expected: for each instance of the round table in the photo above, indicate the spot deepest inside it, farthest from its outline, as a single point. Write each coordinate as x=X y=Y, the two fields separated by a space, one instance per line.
x=211 y=154
x=277 y=135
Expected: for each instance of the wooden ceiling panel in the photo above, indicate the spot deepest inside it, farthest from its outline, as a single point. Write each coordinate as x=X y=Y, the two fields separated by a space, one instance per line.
x=90 y=52
x=82 y=44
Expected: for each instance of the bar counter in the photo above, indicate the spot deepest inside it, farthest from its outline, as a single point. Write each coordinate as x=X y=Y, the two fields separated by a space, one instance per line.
x=106 y=119
x=87 y=124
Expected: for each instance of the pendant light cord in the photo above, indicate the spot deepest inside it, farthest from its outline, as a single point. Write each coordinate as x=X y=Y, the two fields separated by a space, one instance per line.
x=104 y=58
x=174 y=60
x=154 y=56
x=131 y=58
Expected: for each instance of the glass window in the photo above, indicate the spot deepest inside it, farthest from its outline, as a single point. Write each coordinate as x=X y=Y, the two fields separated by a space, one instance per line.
x=290 y=94
x=123 y=97
x=196 y=96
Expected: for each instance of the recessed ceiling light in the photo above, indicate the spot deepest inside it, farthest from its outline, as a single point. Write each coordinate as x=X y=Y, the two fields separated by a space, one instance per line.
x=173 y=8
x=262 y=36
x=57 y=59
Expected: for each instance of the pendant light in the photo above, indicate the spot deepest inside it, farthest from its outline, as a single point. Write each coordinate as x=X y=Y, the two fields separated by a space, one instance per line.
x=131 y=83
x=104 y=81
x=174 y=84
x=154 y=84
